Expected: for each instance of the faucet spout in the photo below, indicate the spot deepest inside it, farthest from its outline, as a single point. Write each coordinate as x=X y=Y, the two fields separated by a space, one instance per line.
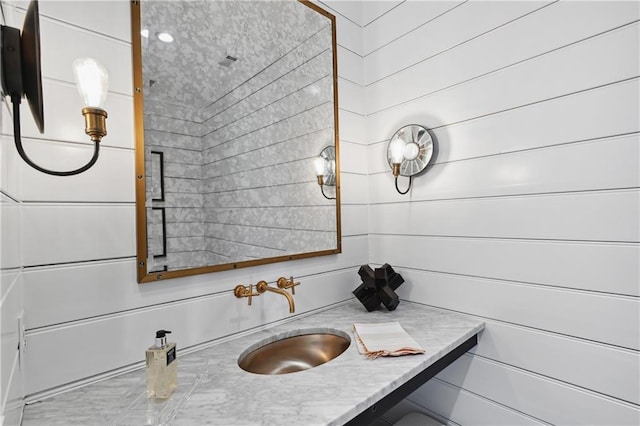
x=262 y=286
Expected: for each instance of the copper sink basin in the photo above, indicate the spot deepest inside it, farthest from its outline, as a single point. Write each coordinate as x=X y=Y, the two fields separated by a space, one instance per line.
x=289 y=354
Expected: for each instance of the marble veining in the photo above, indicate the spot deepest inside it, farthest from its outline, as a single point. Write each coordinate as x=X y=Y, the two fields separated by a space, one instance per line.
x=214 y=390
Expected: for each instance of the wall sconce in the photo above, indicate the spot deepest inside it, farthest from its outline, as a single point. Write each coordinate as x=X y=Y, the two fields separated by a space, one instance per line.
x=409 y=152
x=21 y=76
x=325 y=165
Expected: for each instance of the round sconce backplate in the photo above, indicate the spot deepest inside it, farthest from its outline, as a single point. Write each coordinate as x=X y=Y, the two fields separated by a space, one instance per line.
x=418 y=149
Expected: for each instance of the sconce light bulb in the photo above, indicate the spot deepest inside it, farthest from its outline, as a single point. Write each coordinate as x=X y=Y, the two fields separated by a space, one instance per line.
x=396 y=148
x=92 y=81
x=320 y=165
x=411 y=151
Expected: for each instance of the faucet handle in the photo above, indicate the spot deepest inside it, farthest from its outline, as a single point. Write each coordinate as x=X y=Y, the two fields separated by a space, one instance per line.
x=245 y=291
x=287 y=283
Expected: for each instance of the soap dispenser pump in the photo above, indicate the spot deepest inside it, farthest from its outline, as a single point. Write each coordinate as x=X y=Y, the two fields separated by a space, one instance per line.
x=162 y=367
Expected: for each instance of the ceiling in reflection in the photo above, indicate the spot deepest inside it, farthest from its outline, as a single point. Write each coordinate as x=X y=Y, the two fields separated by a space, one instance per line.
x=181 y=72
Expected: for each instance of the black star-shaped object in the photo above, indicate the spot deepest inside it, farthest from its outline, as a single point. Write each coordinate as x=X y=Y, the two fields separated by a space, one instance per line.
x=378 y=286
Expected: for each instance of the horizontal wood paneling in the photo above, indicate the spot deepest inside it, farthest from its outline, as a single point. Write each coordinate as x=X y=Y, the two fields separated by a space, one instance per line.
x=413 y=15
x=564 y=23
x=348 y=33
x=13 y=402
x=61 y=44
x=10 y=308
x=569 y=312
x=534 y=126
x=563 y=358
x=111 y=18
x=349 y=65
x=353 y=188
x=353 y=158
x=528 y=218
x=375 y=10
x=593 y=165
x=602 y=267
x=451 y=29
x=9 y=162
x=10 y=242
x=100 y=288
x=71 y=233
x=109 y=180
x=351 y=127
x=351 y=10
x=582 y=216
x=540 y=397
x=558 y=73
x=350 y=96
x=132 y=332
x=467 y=408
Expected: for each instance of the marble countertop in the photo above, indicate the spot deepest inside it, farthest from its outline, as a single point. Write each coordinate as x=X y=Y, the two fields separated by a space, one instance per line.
x=212 y=389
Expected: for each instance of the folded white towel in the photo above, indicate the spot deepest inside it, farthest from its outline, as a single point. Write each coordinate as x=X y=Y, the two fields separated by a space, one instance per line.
x=385 y=339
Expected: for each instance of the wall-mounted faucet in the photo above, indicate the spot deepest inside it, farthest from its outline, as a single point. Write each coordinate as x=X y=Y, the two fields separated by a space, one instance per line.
x=262 y=286
x=285 y=283
x=245 y=291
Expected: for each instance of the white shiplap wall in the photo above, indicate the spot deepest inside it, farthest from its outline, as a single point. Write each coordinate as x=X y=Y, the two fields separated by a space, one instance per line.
x=11 y=389
x=528 y=218
x=86 y=316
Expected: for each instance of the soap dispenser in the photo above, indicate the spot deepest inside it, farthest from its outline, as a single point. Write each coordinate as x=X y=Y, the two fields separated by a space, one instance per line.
x=162 y=367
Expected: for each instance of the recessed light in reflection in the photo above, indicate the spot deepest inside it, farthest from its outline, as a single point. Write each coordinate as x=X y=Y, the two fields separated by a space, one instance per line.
x=166 y=37
x=145 y=33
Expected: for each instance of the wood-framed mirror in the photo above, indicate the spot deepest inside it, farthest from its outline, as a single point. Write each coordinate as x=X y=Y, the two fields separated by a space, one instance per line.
x=233 y=101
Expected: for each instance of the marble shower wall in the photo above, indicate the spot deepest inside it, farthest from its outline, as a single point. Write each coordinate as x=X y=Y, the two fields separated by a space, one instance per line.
x=254 y=146
x=259 y=182
x=176 y=133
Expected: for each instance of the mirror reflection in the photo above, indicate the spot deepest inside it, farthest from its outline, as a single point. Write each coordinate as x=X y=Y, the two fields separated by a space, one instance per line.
x=234 y=101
